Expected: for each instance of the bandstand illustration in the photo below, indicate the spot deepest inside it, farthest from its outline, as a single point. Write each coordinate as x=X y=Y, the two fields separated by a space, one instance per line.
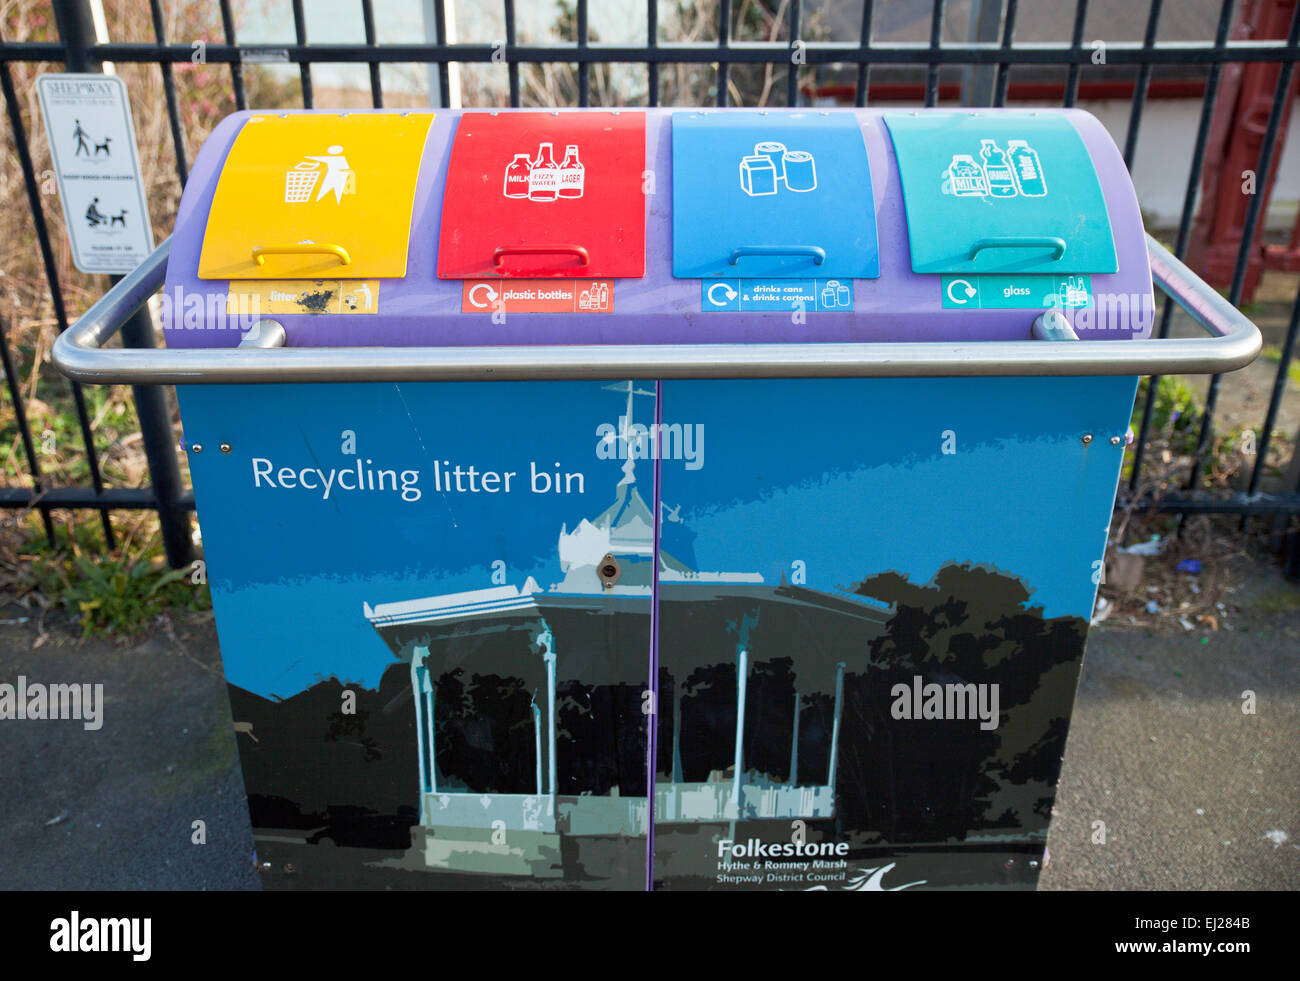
x=579 y=650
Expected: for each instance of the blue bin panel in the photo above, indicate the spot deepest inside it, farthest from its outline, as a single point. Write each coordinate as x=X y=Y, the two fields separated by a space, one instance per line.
x=772 y=195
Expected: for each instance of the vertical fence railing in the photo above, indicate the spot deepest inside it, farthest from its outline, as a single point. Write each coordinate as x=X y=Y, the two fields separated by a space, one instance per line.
x=76 y=28
x=1184 y=225
x=997 y=52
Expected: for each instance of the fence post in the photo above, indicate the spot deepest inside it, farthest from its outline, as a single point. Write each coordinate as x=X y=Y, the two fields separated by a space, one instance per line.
x=77 y=32
x=977 y=80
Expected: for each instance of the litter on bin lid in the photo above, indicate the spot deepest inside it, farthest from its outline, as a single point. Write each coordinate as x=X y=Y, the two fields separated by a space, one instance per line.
x=1189 y=565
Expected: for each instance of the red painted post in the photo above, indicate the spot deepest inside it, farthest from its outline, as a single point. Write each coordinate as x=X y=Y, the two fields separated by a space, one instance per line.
x=1232 y=151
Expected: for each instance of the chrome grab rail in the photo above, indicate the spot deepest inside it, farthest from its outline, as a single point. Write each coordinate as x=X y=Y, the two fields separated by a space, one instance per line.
x=80 y=353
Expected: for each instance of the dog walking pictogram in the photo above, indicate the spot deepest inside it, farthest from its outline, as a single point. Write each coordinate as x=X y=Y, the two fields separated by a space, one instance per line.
x=80 y=135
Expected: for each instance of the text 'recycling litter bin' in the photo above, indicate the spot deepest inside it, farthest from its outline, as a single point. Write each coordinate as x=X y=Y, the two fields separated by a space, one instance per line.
x=691 y=499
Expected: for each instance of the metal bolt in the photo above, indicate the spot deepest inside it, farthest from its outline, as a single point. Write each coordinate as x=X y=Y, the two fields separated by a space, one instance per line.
x=1116 y=440
x=196 y=447
x=225 y=447
x=1087 y=438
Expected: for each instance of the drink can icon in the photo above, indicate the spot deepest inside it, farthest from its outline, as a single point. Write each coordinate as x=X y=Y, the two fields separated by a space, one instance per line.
x=842 y=295
x=800 y=171
x=775 y=152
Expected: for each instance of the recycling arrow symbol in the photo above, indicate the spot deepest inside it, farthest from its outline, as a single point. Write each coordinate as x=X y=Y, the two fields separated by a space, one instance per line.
x=727 y=292
x=967 y=289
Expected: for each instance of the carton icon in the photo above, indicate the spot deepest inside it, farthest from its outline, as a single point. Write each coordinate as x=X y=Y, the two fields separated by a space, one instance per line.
x=757 y=176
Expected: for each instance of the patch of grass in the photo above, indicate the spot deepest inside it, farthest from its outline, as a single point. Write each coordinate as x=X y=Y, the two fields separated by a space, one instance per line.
x=119 y=593
x=1175 y=416
x=114 y=594
x=1278 y=601
x=1273 y=353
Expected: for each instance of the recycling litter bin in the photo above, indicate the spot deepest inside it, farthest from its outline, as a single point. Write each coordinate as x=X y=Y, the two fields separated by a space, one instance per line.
x=672 y=499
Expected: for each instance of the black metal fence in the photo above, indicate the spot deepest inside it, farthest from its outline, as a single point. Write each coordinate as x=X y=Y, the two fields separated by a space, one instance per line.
x=990 y=63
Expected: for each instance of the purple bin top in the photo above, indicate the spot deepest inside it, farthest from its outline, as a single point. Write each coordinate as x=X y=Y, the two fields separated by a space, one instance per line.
x=422 y=309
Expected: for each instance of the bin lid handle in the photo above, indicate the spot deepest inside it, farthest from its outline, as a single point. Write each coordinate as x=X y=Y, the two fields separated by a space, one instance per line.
x=814 y=252
x=1057 y=245
x=500 y=252
x=260 y=252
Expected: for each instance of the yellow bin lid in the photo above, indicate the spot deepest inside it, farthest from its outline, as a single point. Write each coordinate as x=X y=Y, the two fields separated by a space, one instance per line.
x=306 y=195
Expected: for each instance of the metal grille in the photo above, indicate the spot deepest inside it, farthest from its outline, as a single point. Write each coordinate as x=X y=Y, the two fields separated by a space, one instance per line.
x=986 y=66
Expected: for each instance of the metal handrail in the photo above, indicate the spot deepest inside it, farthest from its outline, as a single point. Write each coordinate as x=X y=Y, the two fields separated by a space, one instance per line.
x=80 y=354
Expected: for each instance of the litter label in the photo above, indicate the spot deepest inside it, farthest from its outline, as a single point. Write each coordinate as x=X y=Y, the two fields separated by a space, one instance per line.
x=537 y=296
x=735 y=295
x=303 y=296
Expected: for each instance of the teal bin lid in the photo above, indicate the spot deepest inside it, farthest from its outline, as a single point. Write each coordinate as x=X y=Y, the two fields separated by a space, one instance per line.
x=1000 y=194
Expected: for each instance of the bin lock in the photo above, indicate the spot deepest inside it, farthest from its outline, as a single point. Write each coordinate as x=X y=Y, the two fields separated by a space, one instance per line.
x=609 y=571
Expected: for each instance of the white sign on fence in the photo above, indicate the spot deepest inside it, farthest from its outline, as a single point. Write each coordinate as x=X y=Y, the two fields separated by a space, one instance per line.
x=92 y=143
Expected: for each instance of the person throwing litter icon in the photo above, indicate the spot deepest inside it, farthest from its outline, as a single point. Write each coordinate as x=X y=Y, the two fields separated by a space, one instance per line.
x=338 y=176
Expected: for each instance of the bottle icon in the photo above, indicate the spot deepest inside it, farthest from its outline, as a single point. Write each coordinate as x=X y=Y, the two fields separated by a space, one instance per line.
x=544 y=178
x=572 y=174
x=1073 y=292
x=966 y=178
x=517 y=176
x=1026 y=169
x=1002 y=182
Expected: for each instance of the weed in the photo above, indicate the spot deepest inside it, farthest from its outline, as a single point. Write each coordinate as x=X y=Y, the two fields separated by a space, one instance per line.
x=120 y=593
